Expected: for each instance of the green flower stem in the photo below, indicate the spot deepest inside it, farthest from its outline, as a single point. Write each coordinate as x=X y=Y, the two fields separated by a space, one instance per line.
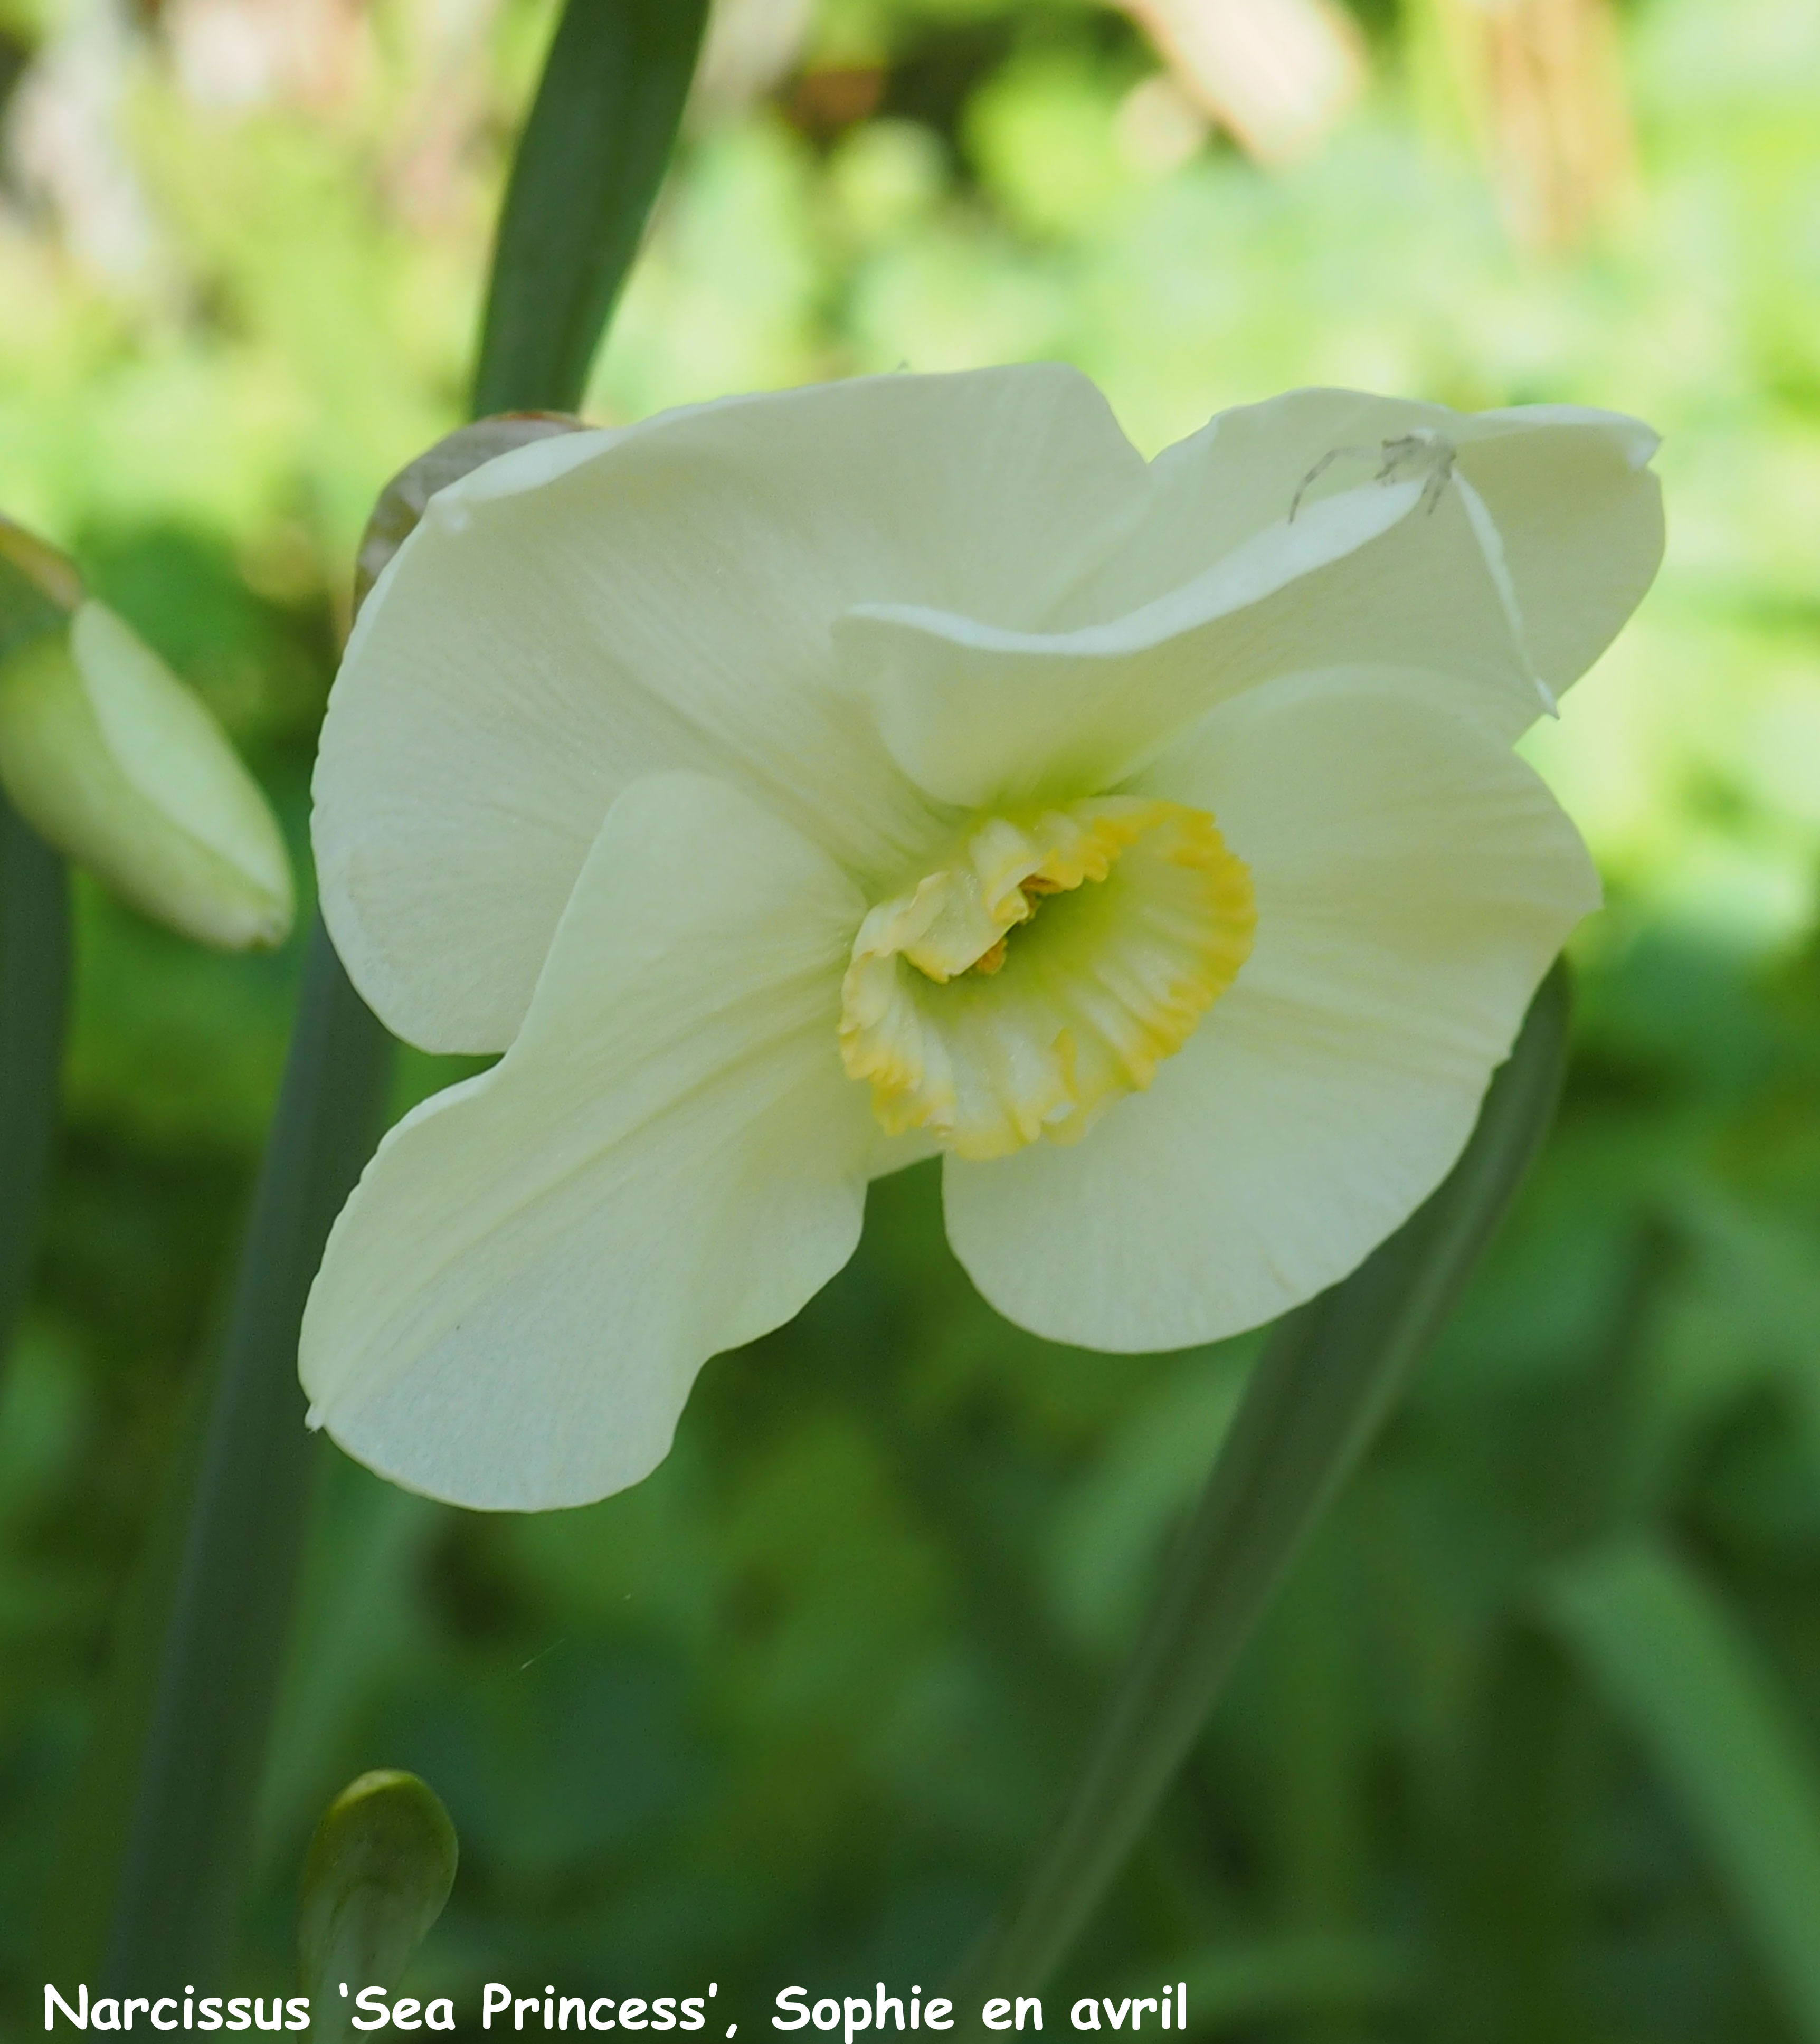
x=34 y=995
x=210 y=1705
x=1327 y=1378
x=588 y=169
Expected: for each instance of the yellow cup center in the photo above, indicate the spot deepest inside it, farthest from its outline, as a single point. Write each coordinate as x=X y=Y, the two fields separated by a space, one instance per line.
x=1047 y=969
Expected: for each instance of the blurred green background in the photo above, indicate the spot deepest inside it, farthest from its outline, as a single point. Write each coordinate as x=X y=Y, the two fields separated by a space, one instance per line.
x=1529 y=1750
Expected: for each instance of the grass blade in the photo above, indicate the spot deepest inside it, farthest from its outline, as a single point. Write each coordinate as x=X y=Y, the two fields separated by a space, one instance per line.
x=1327 y=1376
x=1677 y=1670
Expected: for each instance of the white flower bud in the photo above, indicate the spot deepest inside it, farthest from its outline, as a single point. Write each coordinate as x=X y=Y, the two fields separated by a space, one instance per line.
x=114 y=762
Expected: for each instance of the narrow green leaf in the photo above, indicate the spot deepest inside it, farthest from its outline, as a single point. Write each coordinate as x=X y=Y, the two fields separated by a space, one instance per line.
x=1677 y=1670
x=1327 y=1376
x=589 y=162
x=34 y=995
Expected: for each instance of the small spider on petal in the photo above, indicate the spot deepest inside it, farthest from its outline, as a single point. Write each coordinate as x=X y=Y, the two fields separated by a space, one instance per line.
x=794 y=786
x=1420 y=451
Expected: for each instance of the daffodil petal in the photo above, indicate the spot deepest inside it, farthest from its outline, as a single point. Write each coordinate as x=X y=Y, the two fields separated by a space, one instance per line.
x=1568 y=489
x=1414 y=880
x=594 y=608
x=1503 y=549
x=667 y=1161
x=978 y=715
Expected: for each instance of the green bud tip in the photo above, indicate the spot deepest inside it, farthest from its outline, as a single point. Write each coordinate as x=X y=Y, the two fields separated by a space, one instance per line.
x=377 y=1874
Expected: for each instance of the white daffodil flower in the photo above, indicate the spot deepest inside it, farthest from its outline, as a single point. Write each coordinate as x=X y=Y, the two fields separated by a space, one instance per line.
x=799 y=785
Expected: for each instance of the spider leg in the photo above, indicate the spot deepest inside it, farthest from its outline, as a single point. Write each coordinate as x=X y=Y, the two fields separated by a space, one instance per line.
x=1320 y=468
x=1436 y=487
x=1301 y=489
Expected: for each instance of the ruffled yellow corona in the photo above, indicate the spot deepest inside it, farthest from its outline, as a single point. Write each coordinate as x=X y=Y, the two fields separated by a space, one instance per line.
x=1018 y=990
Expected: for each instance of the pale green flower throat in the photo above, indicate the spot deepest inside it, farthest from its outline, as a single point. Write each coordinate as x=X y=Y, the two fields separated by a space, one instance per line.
x=1046 y=969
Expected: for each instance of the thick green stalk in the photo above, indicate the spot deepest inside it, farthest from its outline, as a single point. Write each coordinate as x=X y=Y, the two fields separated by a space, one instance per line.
x=587 y=173
x=1326 y=1381
x=34 y=994
x=216 y=1671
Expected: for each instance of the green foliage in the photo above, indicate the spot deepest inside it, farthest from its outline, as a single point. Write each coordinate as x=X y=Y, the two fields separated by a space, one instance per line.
x=795 y=1708
x=1683 y=1676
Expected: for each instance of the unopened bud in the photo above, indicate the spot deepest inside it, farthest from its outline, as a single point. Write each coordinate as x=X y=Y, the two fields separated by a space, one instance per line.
x=401 y=502
x=112 y=760
x=377 y=1874
x=39 y=587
